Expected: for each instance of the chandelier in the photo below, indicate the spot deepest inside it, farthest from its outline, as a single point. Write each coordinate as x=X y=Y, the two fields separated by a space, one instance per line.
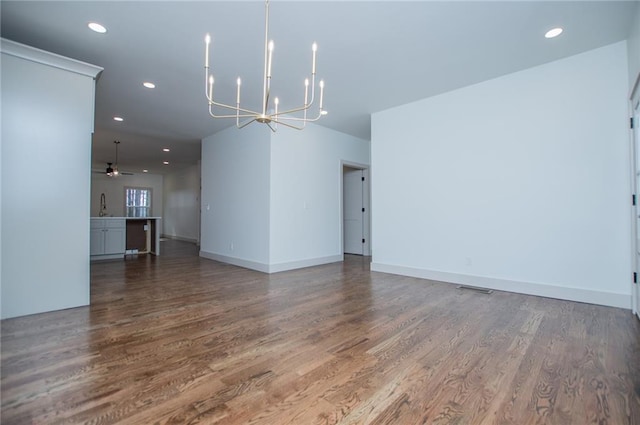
x=295 y=118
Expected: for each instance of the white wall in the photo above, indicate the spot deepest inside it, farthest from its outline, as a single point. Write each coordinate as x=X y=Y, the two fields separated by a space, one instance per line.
x=518 y=183
x=47 y=120
x=181 y=214
x=633 y=49
x=113 y=188
x=306 y=174
x=275 y=198
x=235 y=196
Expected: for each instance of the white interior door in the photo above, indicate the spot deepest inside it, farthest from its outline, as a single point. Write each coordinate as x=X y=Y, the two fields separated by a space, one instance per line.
x=352 y=202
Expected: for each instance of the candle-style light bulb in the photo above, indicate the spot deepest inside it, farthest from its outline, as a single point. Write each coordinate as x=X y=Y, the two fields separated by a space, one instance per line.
x=269 y=61
x=238 y=95
x=321 y=92
x=207 y=41
x=276 y=101
x=314 y=48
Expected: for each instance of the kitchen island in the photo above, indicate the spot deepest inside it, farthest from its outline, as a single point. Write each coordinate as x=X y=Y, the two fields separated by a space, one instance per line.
x=115 y=237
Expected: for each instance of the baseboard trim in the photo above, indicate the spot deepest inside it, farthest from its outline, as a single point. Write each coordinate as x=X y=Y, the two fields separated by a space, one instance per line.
x=611 y=299
x=271 y=268
x=300 y=264
x=247 y=264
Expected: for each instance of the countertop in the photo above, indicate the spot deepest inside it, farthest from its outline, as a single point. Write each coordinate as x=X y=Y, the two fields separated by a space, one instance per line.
x=126 y=218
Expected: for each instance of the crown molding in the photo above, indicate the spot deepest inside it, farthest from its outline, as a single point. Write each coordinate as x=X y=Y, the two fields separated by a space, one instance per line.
x=23 y=51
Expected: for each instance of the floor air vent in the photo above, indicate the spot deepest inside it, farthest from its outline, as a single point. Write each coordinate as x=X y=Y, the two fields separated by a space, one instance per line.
x=477 y=289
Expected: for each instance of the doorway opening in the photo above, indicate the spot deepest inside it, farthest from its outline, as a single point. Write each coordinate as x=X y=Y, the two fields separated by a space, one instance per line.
x=356 y=214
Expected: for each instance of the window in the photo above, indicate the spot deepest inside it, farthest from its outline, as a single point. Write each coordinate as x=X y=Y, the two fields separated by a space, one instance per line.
x=137 y=201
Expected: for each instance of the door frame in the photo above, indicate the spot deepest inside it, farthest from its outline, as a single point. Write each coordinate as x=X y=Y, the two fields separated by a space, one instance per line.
x=366 y=199
x=634 y=113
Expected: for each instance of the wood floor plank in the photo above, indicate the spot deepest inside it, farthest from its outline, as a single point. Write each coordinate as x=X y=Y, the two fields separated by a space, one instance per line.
x=179 y=339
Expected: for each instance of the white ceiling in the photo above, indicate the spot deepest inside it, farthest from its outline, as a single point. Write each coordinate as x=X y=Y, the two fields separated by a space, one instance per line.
x=373 y=55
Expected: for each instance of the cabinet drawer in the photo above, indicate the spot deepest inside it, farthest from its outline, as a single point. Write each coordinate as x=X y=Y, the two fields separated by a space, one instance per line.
x=97 y=224
x=117 y=223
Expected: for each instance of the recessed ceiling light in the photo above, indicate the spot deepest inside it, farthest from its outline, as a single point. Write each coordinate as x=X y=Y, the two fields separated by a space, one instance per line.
x=166 y=150
x=553 y=32
x=145 y=171
x=119 y=119
x=97 y=27
x=149 y=85
x=165 y=162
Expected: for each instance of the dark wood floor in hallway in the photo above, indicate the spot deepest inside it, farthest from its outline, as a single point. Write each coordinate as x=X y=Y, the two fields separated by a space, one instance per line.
x=178 y=339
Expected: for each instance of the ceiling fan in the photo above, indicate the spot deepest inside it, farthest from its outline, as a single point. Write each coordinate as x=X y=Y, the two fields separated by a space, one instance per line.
x=113 y=171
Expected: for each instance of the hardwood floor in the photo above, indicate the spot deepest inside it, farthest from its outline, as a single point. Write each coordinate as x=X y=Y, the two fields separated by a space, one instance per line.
x=182 y=340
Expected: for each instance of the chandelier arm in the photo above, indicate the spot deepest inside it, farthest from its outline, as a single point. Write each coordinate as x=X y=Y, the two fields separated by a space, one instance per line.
x=299 y=119
x=233 y=108
x=291 y=111
x=251 y=115
x=287 y=125
x=304 y=119
x=245 y=124
x=229 y=116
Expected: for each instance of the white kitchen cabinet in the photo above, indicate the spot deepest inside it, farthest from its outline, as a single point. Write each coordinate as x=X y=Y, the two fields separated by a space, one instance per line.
x=108 y=237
